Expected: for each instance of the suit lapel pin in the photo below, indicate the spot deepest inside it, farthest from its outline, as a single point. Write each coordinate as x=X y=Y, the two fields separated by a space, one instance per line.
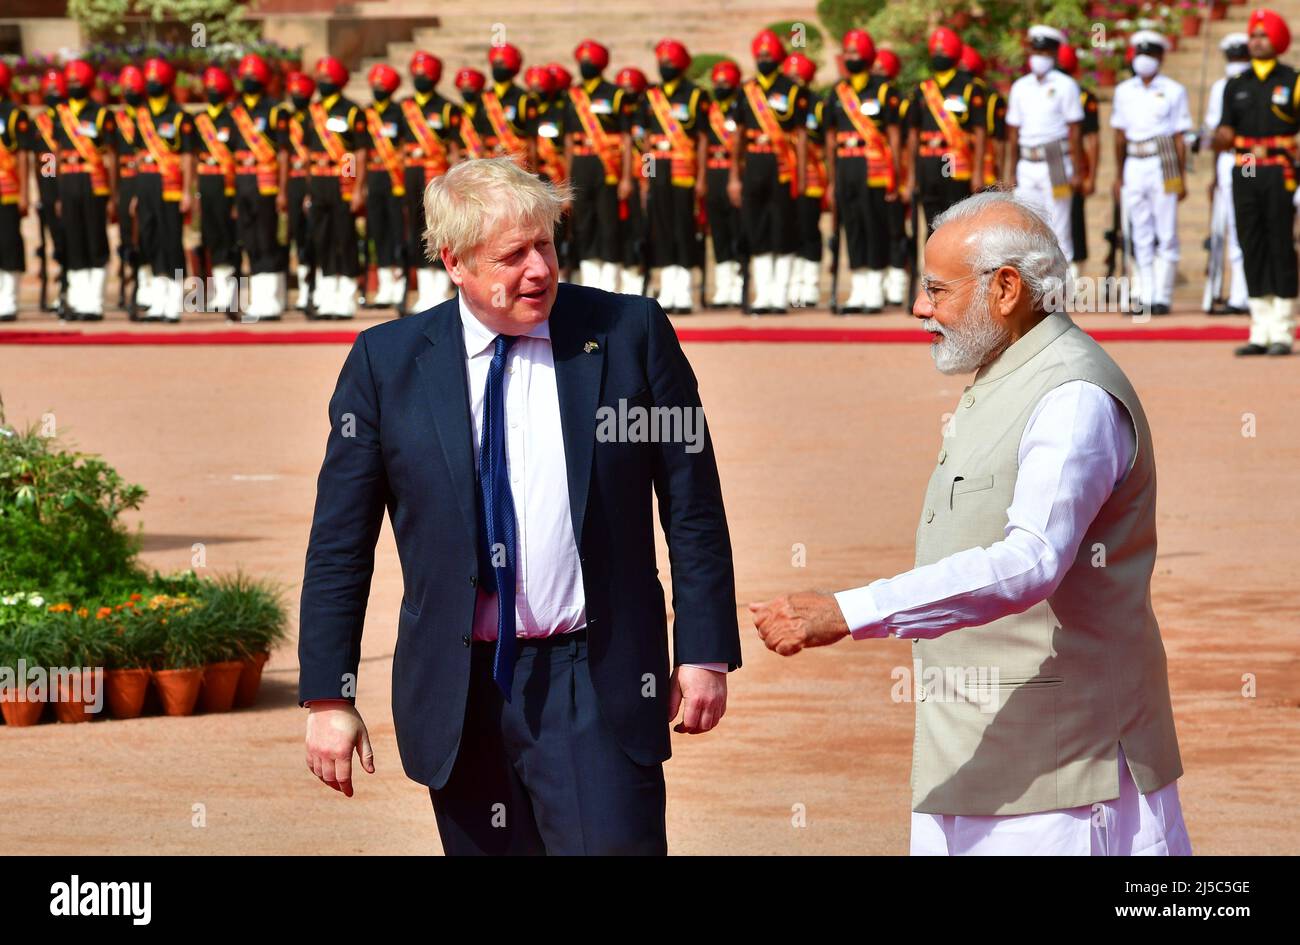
x=590 y=346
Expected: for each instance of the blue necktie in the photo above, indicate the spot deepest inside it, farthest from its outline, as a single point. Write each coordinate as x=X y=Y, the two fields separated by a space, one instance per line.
x=497 y=514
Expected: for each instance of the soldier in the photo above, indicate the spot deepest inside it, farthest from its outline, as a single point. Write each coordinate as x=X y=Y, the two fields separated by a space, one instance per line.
x=295 y=182
x=595 y=125
x=83 y=134
x=1236 y=49
x=672 y=114
x=768 y=170
x=15 y=134
x=386 y=187
x=259 y=130
x=129 y=151
x=948 y=122
x=432 y=145
x=1044 y=115
x=805 y=277
x=505 y=113
x=540 y=82
x=469 y=83
x=215 y=166
x=1261 y=114
x=1150 y=116
x=633 y=276
x=1067 y=60
x=863 y=146
x=887 y=66
x=995 y=126
x=335 y=135
x=44 y=159
x=724 y=219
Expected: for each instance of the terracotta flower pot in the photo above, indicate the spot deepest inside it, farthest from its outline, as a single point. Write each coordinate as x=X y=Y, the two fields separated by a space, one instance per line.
x=178 y=689
x=126 y=691
x=220 y=680
x=250 y=680
x=25 y=712
x=1218 y=11
x=1106 y=77
x=1191 y=25
x=72 y=705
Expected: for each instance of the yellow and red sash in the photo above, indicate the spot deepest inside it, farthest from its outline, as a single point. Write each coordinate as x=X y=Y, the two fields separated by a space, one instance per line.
x=89 y=153
x=268 y=168
x=880 y=164
x=785 y=156
x=126 y=162
x=469 y=135
x=435 y=154
x=550 y=159
x=718 y=122
x=166 y=160
x=302 y=157
x=45 y=125
x=682 y=145
x=607 y=146
x=217 y=148
x=334 y=148
x=496 y=115
x=8 y=175
x=958 y=142
x=388 y=155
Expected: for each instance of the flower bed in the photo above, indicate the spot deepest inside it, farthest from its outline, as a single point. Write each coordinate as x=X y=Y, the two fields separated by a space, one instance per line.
x=84 y=630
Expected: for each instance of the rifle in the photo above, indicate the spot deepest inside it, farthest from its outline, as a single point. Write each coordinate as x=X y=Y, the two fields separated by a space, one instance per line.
x=1114 y=238
x=44 y=274
x=132 y=309
x=835 y=256
x=914 y=214
x=645 y=244
x=1212 y=297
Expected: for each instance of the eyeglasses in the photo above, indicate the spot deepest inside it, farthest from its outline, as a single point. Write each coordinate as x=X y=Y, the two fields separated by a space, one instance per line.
x=934 y=289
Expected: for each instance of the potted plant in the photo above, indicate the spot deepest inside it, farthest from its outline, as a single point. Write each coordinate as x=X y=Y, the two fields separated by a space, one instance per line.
x=82 y=637
x=252 y=617
x=26 y=643
x=179 y=667
x=131 y=646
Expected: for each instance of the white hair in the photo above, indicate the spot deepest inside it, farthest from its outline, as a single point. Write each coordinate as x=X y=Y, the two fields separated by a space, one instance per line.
x=1030 y=248
x=461 y=206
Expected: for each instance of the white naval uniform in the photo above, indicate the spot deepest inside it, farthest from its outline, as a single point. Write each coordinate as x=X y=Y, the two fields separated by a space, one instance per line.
x=1043 y=110
x=1223 y=213
x=1145 y=110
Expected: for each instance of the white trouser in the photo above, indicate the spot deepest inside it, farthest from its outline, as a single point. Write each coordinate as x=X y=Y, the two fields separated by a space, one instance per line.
x=8 y=292
x=1272 y=320
x=1132 y=824
x=1236 y=259
x=1034 y=186
x=1153 y=226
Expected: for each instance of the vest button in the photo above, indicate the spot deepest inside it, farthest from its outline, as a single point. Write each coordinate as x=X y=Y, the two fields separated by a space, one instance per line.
x=920 y=692
x=929 y=516
x=968 y=399
x=943 y=454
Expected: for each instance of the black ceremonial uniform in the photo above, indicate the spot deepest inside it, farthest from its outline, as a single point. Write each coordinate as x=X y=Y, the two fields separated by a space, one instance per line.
x=293 y=142
x=384 y=197
x=670 y=197
x=216 y=186
x=333 y=232
x=1264 y=113
x=859 y=191
x=724 y=217
x=257 y=181
x=767 y=202
x=44 y=152
x=520 y=112
x=443 y=117
x=158 y=215
x=83 y=195
x=596 y=230
x=15 y=133
x=965 y=98
x=1078 y=220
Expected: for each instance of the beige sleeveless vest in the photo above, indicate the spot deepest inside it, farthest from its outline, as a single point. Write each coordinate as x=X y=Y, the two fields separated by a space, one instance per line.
x=1031 y=707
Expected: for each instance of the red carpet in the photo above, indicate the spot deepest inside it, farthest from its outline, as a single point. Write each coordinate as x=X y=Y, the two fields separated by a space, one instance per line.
x=278 y=336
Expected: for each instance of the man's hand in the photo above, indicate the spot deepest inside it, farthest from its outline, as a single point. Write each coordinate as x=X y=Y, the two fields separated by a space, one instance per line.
x=734 y=190
x=788 y=624
x=334 y=731
x=703 y=692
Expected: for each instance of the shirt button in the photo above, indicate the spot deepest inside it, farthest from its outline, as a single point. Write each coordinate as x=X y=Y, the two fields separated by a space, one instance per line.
x=943 y=454
x=920 y=694
x=929 y=516
x=969 y=399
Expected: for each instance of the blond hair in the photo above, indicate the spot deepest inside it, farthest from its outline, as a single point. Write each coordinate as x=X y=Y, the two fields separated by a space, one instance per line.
x=462 y=204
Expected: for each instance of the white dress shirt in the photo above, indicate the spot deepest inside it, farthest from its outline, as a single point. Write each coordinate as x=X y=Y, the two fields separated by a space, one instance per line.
x=1043 y=109
x=1145 y=110
x=549 y=596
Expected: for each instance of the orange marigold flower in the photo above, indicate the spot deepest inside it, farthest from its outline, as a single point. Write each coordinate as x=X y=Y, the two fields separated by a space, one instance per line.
x=103 y=612
x=83 y=612
x=136 y=597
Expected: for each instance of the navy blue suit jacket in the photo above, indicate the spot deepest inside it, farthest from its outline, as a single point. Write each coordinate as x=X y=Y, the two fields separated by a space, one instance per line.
x=401 y=437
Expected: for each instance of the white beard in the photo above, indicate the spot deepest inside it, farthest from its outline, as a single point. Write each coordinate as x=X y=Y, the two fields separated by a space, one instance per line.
x=969 y=345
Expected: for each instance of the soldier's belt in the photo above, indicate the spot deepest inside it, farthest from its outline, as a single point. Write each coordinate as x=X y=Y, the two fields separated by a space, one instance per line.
x=1033 y=154
x=584 y=150
x=934 y=138
x=934 y=150
x=210 y=169
x=861 y=152
x=245 y=159
x=755 y=148
x=1265 y=146
x=1148 y=148
x=74 y=167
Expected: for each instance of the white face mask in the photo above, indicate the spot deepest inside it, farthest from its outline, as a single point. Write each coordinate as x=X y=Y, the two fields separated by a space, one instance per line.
x=1041 y=65
x=1146 y=66
x=1234 y=69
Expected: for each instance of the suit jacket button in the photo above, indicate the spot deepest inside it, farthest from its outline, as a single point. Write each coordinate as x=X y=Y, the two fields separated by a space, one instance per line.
x=465 y=639
x=473 y=581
